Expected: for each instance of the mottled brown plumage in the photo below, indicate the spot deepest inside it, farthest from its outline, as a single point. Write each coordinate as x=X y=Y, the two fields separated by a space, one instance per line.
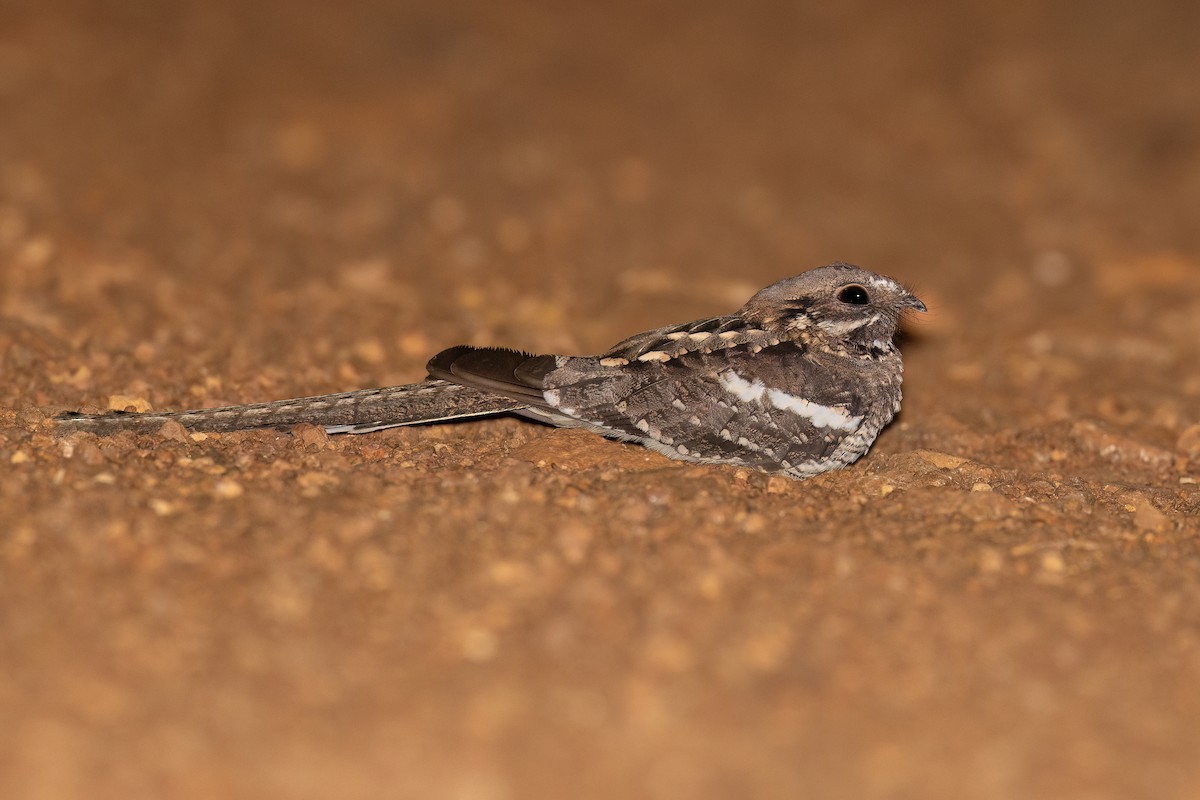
x=798 y=381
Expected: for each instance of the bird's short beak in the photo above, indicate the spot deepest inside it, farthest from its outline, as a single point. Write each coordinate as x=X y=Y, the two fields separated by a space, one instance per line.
x=913 y=302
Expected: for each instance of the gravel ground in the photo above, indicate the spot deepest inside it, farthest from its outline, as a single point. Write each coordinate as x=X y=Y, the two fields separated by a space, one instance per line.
x=204 y=203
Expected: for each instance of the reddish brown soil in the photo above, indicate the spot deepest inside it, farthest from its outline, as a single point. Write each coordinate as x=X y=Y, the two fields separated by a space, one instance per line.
x=216 y=202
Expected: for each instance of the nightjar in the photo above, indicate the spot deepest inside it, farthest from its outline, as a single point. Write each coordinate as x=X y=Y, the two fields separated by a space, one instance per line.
x=798 y=381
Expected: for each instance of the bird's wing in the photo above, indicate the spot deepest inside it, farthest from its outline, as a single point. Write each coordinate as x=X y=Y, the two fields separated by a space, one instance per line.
x=699 y=336
x=510 y=373
x=521 y=375
x=762 y=406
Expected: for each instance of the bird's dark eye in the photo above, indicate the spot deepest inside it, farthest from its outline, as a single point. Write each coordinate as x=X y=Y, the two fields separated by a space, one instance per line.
x=854 y=294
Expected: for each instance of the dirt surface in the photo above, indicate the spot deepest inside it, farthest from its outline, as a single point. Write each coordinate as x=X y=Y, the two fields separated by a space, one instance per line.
x=215 y=202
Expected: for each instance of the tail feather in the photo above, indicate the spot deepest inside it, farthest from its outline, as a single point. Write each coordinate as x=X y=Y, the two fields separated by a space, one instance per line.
x=348 y=412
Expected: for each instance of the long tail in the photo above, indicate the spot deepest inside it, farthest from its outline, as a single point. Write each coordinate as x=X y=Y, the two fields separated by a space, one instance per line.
x=348 y=412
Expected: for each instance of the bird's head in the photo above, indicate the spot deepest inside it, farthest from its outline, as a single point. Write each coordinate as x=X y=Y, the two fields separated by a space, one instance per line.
x=840 y=303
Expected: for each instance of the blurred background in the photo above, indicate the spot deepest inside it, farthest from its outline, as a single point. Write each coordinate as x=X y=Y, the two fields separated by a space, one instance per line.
x=215 y=202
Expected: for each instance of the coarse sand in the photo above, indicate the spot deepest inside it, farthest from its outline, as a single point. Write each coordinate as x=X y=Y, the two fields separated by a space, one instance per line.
x=205 y=203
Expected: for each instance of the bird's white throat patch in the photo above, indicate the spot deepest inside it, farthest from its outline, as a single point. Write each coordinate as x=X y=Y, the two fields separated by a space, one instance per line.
x=821 y=416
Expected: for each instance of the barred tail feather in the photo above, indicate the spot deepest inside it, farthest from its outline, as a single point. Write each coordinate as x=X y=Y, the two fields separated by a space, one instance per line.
x=349 y=412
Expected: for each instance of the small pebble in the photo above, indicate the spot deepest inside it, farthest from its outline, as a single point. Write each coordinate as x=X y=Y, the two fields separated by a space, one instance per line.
x=227 y=489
